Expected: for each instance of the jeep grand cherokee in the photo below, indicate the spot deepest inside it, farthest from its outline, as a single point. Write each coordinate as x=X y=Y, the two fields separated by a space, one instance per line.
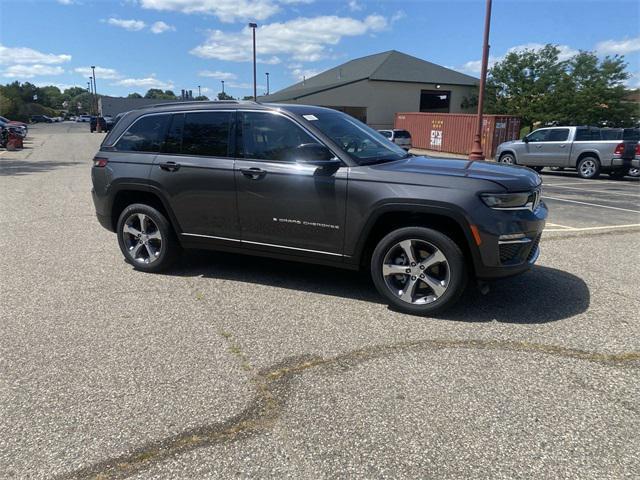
x=312 y=184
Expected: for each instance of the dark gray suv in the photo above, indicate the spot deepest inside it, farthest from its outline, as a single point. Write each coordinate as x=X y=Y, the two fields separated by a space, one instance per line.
x=312 y=184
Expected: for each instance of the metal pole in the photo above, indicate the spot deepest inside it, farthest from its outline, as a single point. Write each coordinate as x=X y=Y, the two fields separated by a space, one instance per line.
x=222 y=85
x=199 y=91
x=90 y=95
x=476 y=151
x=267 y=74
x=255 y=92
x=95 y=92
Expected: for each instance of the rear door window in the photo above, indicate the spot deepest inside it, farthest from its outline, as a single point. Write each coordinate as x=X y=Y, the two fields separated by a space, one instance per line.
x=206 y=134
x=173 y=140
x=144 y=135
x=558 y=135
x=402 y=134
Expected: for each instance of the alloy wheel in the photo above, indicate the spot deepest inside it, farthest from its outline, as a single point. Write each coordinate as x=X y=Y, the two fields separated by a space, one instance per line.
x=588 y=168
x=416 y=271
x=142 y=238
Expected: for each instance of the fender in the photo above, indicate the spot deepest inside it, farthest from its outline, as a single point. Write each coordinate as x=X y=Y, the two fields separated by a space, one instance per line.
x=452 y=212
x=125 y=184
x=588 y=152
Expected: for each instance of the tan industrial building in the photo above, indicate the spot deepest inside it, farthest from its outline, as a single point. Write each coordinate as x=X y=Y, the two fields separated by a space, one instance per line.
x=375 y=87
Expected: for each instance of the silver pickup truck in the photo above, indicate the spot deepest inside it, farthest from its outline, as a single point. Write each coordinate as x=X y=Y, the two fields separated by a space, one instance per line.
x=587 y=149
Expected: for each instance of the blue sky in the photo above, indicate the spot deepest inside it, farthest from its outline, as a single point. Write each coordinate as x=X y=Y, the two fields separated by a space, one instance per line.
x=142 y=44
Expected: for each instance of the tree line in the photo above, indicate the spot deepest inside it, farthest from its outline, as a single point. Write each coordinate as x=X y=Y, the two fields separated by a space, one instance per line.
x=542 y=89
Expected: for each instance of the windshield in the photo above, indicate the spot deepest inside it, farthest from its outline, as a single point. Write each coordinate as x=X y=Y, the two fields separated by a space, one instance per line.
x=363 y=144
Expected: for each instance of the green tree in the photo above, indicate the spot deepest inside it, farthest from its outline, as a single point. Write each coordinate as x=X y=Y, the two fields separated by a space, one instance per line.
x=539 y=87
x=134 y=95
x=202 y=98
x=224 y=96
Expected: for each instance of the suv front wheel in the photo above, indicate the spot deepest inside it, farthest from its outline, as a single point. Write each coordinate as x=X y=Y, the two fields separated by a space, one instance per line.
x=146 y=238
x=418 y=270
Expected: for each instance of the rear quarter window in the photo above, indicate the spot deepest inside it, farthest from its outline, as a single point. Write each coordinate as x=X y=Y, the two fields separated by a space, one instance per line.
x=402 y=134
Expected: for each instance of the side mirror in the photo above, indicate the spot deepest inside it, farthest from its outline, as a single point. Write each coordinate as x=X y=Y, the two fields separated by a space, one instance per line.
x=525 y=139
x=317 y=155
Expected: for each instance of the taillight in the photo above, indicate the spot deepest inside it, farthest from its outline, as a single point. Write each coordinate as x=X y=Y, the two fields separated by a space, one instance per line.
x=637 y=149
x=100 y=161
x=619 y=149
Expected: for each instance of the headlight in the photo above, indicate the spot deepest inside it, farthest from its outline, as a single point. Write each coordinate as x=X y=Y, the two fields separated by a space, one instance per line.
x=511 y=201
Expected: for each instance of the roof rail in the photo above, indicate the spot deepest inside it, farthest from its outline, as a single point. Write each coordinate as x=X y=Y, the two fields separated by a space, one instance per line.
x=199 y=102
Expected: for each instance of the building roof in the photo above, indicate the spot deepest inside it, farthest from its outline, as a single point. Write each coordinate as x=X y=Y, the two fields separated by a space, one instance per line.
x=390 y=66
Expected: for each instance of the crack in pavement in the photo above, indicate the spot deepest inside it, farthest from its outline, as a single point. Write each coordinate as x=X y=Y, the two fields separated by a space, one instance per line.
x=273 y=385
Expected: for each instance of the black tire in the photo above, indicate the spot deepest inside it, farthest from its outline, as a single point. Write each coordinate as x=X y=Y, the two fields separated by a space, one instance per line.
x=618 y=174
x=508 y=159
x=167 y=249
x=589 y=167
x=457 y=270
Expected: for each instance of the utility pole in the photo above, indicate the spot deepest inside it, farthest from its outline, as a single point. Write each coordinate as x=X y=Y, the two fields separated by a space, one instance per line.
x=90 y=95
x=222 y=86
x=199 y=91
x=253 y=26
x=267 y=74
x=476 y=151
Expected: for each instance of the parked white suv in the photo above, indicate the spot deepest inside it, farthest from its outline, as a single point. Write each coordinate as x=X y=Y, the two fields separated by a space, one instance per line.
x=402 y=138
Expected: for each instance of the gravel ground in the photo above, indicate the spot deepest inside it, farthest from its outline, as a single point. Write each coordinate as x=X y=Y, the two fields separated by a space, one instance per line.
x=236 y=367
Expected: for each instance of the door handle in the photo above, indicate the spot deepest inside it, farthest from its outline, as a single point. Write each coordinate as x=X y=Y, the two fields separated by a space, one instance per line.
x=562 y=146
x=253 y=173
x=170 y=166
x=538 y=146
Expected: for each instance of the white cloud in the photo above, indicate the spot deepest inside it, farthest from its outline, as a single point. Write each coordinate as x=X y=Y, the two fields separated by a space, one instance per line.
x=161 y=27
x=299 y=73
x=354 y=6
x=243 y=85
x=66 y=2
x=304 y=39
x=30 y=71
x=147 y=82
x=474 y=66
x=218 y=75
x=101 y=72
x=131 y=25
x=620 y=47
x=225 y=10
x=23 y=55
x=399 y=15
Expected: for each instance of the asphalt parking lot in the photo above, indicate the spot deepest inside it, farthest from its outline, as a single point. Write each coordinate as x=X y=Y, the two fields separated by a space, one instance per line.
x=235 y=367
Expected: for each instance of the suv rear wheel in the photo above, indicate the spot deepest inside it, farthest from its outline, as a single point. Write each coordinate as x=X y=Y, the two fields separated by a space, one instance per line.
x=418 y=270
x=146 y=238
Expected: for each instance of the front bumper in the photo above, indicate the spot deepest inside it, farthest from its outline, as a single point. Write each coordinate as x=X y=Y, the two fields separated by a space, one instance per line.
x=513 y=246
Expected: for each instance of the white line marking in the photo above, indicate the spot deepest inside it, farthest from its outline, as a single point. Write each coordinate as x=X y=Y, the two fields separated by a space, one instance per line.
x=583 y=229
x=635 y=195
x=591 y=204
x=558 y=225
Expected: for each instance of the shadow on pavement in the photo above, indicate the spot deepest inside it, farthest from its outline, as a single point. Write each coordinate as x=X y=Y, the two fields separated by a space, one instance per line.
x=23 y=167
x=539 y=296
x=573 y=174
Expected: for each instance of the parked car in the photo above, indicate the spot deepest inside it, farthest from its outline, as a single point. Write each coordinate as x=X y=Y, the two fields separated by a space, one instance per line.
x=402 y=138
x=83 y=118
x=41 y=119
x=93 y=124
x=20 y=130
x=272 y=180
x=15 y=123
x=582 y=148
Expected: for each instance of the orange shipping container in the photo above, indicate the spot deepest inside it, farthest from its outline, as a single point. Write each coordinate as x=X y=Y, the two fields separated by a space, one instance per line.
x=454 y=132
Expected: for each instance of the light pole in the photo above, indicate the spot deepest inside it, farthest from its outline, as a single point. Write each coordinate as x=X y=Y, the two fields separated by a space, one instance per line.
x=199 y=90
x=253 y=26
x=222 y=87
x=476 y=151
x=90 y=95
x=267 y=74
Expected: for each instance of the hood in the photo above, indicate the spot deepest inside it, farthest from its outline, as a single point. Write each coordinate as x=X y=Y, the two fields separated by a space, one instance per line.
x=511 y=177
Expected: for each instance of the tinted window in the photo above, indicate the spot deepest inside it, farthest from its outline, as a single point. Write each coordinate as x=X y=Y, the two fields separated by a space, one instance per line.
x=632 y=134
x=588 y=134
x=558 y=135
x=267 y=136
x=538 y=136
x=402 y=134
x=145 y=135
x=173 y=140
x=386 y=133
x=611 y=134
x=206 y=133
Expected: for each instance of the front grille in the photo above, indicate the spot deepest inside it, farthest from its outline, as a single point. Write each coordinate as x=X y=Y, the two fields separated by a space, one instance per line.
x=511 y=252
